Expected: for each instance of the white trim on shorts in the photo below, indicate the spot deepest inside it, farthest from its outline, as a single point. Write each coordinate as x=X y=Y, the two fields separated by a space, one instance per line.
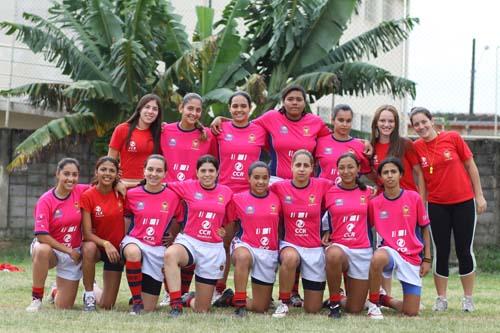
x=358 y=261
x=403 y=270
x=210 y=258
x=264 y=262
x=312 y=261
x=152 y=257
x=65 y=267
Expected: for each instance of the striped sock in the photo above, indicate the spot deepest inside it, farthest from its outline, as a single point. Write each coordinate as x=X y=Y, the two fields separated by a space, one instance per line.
x=175 y=299
x=134 y=278
x=36 y=293
x=186 y=277
x=335 y=298
x=240 y=299
x=284 y=297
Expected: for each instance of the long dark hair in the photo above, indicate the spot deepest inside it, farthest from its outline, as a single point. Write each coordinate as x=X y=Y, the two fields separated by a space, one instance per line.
x=359 y=182
x=102 y=160
x=153 y=157
x=154 y=128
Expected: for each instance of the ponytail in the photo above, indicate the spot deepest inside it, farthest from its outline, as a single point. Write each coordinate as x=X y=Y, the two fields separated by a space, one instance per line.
x=199 y=126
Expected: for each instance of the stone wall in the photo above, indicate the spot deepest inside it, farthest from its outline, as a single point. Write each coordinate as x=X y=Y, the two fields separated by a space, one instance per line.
x=20 y=190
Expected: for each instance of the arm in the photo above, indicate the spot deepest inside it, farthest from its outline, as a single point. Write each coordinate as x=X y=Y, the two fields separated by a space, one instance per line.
x=368 y=150
x=418 y=177
x=473 y=172
x=89 y=236
x=49 y=240
x=426 y=263
x=112 y=152
x=215 y=125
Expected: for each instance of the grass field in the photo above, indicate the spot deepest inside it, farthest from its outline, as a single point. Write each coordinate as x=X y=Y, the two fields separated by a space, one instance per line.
x=15 y=291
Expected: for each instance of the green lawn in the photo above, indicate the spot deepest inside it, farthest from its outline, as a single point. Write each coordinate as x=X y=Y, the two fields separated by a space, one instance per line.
x=15 y=296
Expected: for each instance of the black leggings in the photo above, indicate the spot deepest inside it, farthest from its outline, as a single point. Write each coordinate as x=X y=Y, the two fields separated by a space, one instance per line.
x=461 y=219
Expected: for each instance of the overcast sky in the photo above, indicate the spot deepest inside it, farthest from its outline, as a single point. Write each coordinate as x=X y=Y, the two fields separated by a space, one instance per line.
x=441 y=50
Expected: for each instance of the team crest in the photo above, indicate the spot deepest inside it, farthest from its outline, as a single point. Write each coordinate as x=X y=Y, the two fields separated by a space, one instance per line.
x=77 y=205
x=273 y=209
x=195 y=144
x=362 y=200
x=164 y=206
x=220 y=199
x=447 y=155
x=288 y=199
x=312 y=199
x=423 y=162
x=251 y=138
x=406 y=210
x=250 y=210
x=306 y=131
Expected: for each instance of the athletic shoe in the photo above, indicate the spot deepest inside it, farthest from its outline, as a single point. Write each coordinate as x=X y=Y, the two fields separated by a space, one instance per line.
x=271 y=304
x=186 y=298
x=374 y=312
x=165 y=301
x=281 y=310
x=296 y=301
x=35 y=306
x=89 y=303
x=215 y=296
x=225 y=300
x=467 y=304
x=52 y=293
x=136 y=309
x=441 y=304
x=335 y=311
x=175 y=312
x=241 y=312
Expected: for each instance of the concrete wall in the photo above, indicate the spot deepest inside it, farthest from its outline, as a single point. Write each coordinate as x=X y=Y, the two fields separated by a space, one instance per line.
x=20 y=190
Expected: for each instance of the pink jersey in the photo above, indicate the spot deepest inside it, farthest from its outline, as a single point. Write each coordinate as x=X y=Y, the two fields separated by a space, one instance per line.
x=60 y=218
x=259 y=218
x=182 y=149
x=348 y=209
x=302 y=210
x=152 y=213
x=238 y=147
x=206 y=209
x=328 y=151
x=286 y=136
x=395 y=221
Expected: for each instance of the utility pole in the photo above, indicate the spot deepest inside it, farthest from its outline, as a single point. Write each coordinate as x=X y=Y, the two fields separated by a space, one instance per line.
x=472 y=77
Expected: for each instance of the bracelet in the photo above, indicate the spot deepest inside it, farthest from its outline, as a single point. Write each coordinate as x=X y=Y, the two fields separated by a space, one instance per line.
x=428 y=260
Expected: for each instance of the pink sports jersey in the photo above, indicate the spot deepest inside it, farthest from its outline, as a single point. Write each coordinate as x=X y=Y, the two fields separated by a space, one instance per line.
x=182 y=149
x=60 y=218
x=286 y=136
x=206 y=209
x=238 y=147
x=302 y=210
x=328 y=151
x=395 y=221
x=348 y=209
x=152 y=213
x=259 y=218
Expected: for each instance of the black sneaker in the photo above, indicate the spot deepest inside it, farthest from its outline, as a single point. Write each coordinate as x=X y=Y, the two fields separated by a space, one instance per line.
x=241 y=312
x=186 y=298
x=226 y=299
x=335 y=311
x=136 y=309
x=175 y=312
x=326 y=304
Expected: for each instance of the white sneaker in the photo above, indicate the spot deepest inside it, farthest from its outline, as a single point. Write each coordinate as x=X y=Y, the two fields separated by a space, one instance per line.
x=165 y=301
x=467 y=304
x=89 y=301
x=216 y=295
x=52 y=293
x=35 y=306
x=374 y=312
x=281 y=310
x=441 y=304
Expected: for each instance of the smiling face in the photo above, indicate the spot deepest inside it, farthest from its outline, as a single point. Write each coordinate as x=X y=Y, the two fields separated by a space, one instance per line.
x=302 y=168
x=154 y=172
x=342 y=123
x=67 y=178
x=259 y=181
x=191 y=113
x=207 y=174
x=148 y=114
x=348 y=170
x=423 y=126
x=390 y=175
x=239 y=109
x=106 y=174
x=294 y=104
x=386 y=123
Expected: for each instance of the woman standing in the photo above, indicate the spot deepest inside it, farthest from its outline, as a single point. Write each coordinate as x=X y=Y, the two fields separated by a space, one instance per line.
x=152 y=206
x=58 y=237
x=348 y=245
x=455 y=196
x=201 y=241
x=301 y=201
x=137 y=138
x=395 y=214
x=103 y=230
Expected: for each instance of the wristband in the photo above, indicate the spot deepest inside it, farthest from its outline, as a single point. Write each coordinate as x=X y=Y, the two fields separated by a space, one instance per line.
x=428 y=260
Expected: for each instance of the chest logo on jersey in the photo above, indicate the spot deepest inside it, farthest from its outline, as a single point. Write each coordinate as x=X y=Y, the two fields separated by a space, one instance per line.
x=172 y=142
x=250 y=210
x=327 y=151
x=312 y=199
x=447 y=155
x=228 y=137
x=67 y=238
x=423 y=162
x=362 y=200
x=98 y=211
x=273 y=209
x=220 y=199
x=349 y=231
x=306 y=131
x=406 y=210
x=164 y=206
x=288 y=199
x=132 y=146
x=195 y=144
x=339 y=202
x=140 y=205
x=384 y=215
x=58 y=214
x=198 y=196
x=251 y=138
x=283 y=129
x=77 y=205
x=40 y=217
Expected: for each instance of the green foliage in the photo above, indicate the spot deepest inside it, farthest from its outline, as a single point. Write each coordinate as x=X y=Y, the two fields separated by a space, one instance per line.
x=487 y=258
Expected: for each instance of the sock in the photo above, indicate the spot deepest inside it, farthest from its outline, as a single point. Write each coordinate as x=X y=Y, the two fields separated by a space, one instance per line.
x=385 y=300
x=335 y=298
x=175 y=299
x=285 y=297
x=37 y=293
x=240 y=299
x=134 y=278
x=375 y=298
x=186 y=277
x=295 y=289
x=220 y=286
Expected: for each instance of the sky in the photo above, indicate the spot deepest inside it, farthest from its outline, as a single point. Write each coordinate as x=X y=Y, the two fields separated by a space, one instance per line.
x=440 y=53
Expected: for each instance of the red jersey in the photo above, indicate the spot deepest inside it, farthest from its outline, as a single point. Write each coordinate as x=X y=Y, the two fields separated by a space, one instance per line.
x=206 y=209
x=106 y=213
x=449 y=182
x=410 y=159
x=328 y=151
x=259 y=218
x=134 y=154
x=238 y=147
x=60 y=218
x=286 y=136
x=396 y=220
x=152 y=213
x=182 y=149
x=348 y=209
x=302 y=210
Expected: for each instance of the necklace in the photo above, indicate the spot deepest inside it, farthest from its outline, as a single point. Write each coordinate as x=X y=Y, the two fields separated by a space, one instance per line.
x=431 y=161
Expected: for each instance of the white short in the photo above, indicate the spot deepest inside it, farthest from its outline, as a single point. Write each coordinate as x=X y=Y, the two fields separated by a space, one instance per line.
x=66 y=267
x=402 y=269
x=312 y=261
x=210 y=258
x=264 y=262
x=152 y=257
x=358 y=261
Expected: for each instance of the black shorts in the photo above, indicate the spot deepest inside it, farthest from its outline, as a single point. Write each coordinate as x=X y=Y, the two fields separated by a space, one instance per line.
x=108 y=265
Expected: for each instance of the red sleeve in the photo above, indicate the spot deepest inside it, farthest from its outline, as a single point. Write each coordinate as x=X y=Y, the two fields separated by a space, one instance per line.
x=370 y=213
x=179 y=214
x=411 y=153
x=119 y=135
x=324 y=130
x=231 y=212
x=86 y=202
x=463 y=149
x=127 y=211
x=214 y=147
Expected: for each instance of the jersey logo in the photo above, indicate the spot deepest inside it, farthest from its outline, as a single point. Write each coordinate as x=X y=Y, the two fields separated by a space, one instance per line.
x=150 y=231
x=406 y=210
x=172 y=142
x=140 y=205
x=250 y=210
x=384 y=215
x=288 y=199
x=447 y=155
x=98 y=211
x=306 y=131
x=77 y=205
x=283 y=129
x=67 y=238
x=220 y=199
x=264 y=241
x=251 y=138
x=198 y=196
x=164 y=206
x=195 y=144
x=312 y=199
x=132 y=147
x=339 y=202
x=327 y=150
x=58 y=213
x=362 y=200
x=228 y=137
x=423 y=162
x=273 y=209
x=349 y=231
